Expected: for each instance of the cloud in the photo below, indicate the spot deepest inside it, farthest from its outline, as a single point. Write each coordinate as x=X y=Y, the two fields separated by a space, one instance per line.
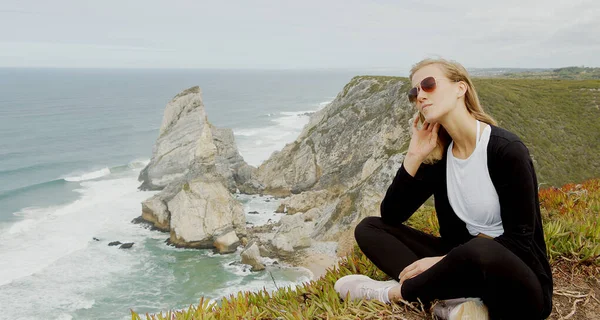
x=305 y=34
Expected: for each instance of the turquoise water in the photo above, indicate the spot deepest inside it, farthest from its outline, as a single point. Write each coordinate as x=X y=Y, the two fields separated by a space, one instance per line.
x=72 y=143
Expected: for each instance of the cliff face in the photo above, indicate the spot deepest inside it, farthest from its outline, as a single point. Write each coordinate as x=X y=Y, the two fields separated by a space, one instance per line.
x=350 y=151
x=345 y=142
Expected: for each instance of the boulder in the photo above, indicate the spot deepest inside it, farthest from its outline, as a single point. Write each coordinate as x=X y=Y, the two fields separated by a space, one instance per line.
x=154 y=211
x=304 y=201
x=227 y=242
x=201 y=210
x=126 y=245
x=251 y=256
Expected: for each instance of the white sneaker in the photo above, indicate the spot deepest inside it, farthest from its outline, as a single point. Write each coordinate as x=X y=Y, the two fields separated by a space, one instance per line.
x=360 y=286
x=461 y=309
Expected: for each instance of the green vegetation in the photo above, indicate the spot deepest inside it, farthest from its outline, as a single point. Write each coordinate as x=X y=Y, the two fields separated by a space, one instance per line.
x=568 y=73
x=571 y=217
x=377 y=86
x=558 y=120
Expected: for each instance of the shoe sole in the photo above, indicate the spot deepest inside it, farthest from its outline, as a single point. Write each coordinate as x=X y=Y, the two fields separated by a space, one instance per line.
x=471 y=310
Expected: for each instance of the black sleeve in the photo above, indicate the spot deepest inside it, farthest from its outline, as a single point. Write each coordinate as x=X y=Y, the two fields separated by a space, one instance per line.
x=517 y=195
x=406 y=194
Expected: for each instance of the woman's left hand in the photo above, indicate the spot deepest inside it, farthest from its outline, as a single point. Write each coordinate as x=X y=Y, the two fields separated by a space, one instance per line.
x=418 y=267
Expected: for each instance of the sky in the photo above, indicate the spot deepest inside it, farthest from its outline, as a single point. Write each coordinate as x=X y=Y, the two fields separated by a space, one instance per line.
x=307 y=34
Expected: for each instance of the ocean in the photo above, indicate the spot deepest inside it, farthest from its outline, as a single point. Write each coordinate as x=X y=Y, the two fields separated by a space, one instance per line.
x=72 y=143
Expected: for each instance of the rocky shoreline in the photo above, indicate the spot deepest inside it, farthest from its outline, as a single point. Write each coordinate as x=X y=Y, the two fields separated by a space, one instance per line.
x=316 y=258
x=333 y=175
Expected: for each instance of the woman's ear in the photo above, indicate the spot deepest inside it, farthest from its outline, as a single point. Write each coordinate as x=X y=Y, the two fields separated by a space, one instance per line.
x=462 y=89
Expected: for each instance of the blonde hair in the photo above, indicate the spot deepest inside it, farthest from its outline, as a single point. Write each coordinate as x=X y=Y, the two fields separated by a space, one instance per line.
x=455 y=72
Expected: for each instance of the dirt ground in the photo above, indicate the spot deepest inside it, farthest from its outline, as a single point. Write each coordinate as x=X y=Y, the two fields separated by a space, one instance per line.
x=576 y=291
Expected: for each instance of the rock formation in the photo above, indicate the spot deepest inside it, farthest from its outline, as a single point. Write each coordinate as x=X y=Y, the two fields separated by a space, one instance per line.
x=251 y=256
x=197 y=167
x=185 y=136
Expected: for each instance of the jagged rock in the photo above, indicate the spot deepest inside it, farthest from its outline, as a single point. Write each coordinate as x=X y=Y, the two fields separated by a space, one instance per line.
x=339 y=218
x=227 y=242
x=349 y=151
x=312 y=214
x=365 y=117
x=304 y=201
x=265 y=252
x=282 y=245
x=251 y=256
x=202 y=209
x=126 y=245
x=114 y=243
x=186 y=141
x=282 y=208
x=154 y=211
x=296 y=232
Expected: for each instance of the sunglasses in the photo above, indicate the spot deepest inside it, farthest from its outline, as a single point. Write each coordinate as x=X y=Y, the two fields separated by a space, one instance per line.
x=428 y=85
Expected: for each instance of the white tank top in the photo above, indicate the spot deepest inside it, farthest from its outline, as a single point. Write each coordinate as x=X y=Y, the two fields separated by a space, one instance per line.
x=470 y=189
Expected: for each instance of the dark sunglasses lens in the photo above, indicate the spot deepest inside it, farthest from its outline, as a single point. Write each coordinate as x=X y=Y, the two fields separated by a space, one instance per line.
x=412 y=94
x=428 y=84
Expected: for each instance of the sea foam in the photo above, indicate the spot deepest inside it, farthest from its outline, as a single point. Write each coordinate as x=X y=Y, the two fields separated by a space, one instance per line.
x=89 y=175
x=257 y=144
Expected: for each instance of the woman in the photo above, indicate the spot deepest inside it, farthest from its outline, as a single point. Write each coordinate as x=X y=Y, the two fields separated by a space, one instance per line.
x=491 y=256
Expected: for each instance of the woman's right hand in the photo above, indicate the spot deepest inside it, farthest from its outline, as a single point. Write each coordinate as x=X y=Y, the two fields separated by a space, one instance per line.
x=423 y=140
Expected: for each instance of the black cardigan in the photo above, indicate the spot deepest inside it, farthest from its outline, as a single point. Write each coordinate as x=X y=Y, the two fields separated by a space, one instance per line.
x=512 y=173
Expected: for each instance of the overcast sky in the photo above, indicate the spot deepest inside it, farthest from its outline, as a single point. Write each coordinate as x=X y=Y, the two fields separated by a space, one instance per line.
x=297 y=34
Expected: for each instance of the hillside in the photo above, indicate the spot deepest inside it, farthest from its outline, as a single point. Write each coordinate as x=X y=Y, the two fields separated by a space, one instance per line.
x=567 y=73
x=559 y=121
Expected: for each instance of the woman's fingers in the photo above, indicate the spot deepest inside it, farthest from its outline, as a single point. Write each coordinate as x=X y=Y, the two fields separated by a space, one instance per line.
x=408 y=269
x=414 y=124
x=409 y=272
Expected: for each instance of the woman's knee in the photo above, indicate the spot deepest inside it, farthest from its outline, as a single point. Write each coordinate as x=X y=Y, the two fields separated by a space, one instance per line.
x=366 y=227
x=481 y=251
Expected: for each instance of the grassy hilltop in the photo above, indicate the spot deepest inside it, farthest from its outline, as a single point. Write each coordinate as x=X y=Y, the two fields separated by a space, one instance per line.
x=567 y=73
x=558 y=120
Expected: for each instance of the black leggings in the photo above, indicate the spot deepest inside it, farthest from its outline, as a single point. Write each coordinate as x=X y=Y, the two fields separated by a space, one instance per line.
x=478 y=268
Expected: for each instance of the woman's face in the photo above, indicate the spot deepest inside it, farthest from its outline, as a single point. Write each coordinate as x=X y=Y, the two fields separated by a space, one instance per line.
x=436 y=104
